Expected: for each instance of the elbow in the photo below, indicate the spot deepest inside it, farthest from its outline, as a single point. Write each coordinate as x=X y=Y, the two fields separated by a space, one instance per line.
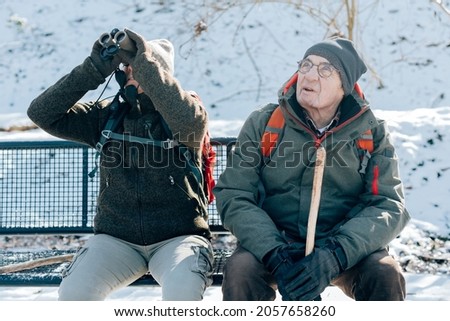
x=32 y=112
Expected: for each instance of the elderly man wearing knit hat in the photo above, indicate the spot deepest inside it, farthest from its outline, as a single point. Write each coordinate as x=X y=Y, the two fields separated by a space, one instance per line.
x=151 y=215
x=265 y=201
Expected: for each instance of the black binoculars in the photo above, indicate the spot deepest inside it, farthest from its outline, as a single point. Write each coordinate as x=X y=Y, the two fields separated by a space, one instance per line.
x=114 y=41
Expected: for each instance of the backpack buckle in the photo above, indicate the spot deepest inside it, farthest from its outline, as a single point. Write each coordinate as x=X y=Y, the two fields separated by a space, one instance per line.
x=106 y=134
x=169 y=144
x=99 y=147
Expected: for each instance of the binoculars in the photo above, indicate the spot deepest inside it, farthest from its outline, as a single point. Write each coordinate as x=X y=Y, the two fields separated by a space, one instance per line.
x=114 y=41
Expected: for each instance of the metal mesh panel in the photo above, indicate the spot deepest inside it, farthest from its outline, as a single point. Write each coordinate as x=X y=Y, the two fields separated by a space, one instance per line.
x=45 y=188
x=222 y=148
x=44 y=185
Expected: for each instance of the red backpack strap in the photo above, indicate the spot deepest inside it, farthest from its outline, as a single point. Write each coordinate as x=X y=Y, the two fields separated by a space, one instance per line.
x=275 y=125
x=269 y=142
x=209 y=161
x=209 y=156
x=272 y=132
x=365 y=142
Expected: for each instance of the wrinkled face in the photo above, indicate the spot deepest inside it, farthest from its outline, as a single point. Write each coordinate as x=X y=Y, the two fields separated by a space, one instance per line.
x=319 y=90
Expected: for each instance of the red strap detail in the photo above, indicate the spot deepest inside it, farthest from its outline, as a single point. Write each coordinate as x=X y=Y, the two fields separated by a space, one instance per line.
x=366 y=141
x=268 y=143
x=290 y=83
x=376 y=174
x=270 y=137
x=209 y=160
x=359 y=90
x=276 y=119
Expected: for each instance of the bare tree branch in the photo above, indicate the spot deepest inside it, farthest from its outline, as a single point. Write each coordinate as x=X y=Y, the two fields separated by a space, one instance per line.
x=442 y=6
x=256 y=69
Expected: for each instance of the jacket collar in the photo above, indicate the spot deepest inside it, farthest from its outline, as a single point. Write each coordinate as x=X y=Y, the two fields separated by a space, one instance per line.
x=350 y=107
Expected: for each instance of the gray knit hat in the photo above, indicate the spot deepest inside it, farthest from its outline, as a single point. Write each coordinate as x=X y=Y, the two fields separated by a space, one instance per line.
x=343 y=56
x=163 y=52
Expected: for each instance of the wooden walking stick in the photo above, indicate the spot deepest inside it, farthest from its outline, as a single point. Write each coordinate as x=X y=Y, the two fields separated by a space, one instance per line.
x=315 y=202
x=35 y=263
x=315 y=199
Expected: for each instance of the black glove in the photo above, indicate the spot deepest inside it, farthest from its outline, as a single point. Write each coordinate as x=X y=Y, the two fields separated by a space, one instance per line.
x=104 y=66
x=140 y=47
x=279 y=262
x=301 y=278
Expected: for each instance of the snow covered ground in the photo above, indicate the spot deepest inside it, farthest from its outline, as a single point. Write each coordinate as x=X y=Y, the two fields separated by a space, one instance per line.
x=420 y=287
x=236 y=63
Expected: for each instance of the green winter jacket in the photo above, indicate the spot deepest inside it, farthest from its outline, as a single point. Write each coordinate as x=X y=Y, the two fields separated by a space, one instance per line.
x=363 y=212
x=147 y=194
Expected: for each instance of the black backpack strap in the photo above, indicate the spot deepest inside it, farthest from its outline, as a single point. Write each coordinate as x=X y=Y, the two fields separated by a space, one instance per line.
x=117 y=112
x=186 y=153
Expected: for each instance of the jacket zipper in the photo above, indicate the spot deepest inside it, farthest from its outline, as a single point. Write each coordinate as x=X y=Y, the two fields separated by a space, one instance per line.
x=173 y=183
x=198 y=200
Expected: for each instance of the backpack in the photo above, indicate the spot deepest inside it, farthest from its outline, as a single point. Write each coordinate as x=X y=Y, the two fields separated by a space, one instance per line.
x=275 y=126
x=274 y=131
x=119 y=107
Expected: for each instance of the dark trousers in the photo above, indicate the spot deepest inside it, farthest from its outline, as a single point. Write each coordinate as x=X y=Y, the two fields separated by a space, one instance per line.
x=376 y=278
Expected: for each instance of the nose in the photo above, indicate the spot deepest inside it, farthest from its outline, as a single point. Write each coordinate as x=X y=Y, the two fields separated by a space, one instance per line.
x=313 y=72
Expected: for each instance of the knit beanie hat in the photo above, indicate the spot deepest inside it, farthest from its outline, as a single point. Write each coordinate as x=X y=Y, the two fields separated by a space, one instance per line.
x=163 y=52
x=343 y=56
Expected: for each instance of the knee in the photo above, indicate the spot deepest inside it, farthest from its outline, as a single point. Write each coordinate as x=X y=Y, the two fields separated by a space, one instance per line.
x=385 y=270
x=246 y=279
x=241 y=264
x=382 y=279
x=189 y=287
x=78 y=293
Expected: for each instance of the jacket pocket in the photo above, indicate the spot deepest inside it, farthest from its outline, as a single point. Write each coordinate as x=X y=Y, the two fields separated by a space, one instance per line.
x=75 y=261
x=106 y=185
x=203 y=263
x=194 y=196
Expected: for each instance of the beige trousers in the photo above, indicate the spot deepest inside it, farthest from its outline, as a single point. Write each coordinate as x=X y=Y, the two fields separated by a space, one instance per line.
x=182 y=266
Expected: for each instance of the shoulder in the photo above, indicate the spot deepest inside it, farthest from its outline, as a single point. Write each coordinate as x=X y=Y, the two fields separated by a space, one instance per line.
x=262 y=114
x=381 y=136
x=255 y=123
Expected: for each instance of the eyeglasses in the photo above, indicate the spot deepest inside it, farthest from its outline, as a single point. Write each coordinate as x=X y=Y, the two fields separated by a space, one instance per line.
x=324 y=69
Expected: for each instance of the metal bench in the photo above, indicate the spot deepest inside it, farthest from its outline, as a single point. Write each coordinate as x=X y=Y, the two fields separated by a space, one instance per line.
x=45 y=190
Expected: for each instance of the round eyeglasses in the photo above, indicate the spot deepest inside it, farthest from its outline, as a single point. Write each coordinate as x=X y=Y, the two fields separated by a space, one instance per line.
x=324 y=69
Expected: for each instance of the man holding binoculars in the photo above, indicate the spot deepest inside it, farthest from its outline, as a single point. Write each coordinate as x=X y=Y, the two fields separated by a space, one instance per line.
x=151 y=213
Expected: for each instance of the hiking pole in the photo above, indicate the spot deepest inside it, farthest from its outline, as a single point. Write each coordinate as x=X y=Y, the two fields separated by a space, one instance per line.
x=315 y=202
x=35 y=263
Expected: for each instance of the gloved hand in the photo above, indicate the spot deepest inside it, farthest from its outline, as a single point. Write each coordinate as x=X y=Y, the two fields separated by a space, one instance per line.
x=309 y=277
x=129 y=55
x=105 y=67
x=279 y=262
x=302 y=278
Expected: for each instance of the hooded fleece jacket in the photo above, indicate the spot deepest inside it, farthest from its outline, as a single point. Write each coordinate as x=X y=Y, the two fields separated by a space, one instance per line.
x=147 y=194
x=362 y=212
